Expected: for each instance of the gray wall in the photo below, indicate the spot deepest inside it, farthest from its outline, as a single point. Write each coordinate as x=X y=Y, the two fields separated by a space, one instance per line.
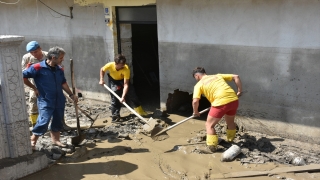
x=83 y=37
x=273 y=45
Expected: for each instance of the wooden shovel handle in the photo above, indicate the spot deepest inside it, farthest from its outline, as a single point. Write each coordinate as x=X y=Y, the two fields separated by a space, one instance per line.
x=180 y=122
x=72 y=77
x=124 y=103
x=74 y=92
x=88 y=116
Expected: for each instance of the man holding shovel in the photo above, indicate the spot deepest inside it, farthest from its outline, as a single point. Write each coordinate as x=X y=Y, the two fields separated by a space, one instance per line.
x=223 y=99
x=118 y=81
x=50 y=81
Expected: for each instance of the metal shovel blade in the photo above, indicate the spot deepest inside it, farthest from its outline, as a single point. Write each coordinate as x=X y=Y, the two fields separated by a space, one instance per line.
x=78 y=139
x=159 y=134
x=148 y=127
x=149 y=124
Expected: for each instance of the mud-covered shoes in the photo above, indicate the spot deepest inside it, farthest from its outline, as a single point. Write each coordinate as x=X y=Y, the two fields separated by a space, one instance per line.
x=33 y=119
x=231 y=134
x=212 y=148
x=140 y=111
x=212 y=142
x=115 y=118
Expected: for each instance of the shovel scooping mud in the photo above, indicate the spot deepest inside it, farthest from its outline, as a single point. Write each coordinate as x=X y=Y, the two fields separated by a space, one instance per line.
x=158 y=131
x=78 y=139
x=148 y=126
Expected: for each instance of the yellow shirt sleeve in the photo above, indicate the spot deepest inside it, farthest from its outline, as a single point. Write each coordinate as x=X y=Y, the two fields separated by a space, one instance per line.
x=106 y=67
x=197 y=91
x=226 y=77
x=117 y=75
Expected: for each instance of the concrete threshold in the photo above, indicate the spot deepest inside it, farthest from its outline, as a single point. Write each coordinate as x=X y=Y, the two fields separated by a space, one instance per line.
x=14 y=168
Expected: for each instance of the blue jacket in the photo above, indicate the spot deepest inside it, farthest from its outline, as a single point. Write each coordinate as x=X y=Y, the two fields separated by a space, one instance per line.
x=49 y=84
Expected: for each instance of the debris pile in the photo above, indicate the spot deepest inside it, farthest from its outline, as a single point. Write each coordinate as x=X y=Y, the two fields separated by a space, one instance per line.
x=259 y=148
x=255 y=148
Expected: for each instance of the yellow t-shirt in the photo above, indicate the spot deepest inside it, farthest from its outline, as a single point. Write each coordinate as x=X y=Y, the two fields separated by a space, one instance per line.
x=123 y=73
x=215 y=89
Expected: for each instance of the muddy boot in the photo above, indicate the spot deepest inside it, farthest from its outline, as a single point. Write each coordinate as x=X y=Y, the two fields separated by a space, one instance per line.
x=212 y=142
x=33 y=119
x=115 y=118
x=34 y=140
x=55 y=137
x=231 y=134
x=140 y=111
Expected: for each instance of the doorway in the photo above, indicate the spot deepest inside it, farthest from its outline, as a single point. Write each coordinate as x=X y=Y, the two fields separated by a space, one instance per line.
x=145 y=61
x=138 y=40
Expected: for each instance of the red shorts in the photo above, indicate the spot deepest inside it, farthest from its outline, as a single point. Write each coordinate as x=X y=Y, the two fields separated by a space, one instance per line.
x=229 y=109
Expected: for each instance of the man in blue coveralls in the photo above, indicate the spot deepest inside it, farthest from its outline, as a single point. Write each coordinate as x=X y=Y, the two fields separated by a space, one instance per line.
x=50 y=81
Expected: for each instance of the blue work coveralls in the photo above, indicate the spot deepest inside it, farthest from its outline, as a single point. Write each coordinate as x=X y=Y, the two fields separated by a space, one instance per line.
x=51 y=101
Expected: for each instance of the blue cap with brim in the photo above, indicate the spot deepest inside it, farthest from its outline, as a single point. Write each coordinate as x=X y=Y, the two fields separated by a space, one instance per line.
x=32 y=45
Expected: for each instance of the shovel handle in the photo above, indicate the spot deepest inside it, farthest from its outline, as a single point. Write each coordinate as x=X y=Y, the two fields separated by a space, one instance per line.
x=74 y=92
x=133 y=111
x=180 y=122
x=88 y=116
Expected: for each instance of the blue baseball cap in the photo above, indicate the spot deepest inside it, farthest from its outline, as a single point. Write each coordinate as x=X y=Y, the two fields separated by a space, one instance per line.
x=32 y=45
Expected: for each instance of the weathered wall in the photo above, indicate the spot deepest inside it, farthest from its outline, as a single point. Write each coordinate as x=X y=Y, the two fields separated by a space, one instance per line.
x=83 y=37
x=273 y=45
x=86 y=38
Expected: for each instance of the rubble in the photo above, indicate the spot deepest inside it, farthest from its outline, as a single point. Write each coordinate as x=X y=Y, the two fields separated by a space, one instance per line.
x=259 y=148
x=255 y=148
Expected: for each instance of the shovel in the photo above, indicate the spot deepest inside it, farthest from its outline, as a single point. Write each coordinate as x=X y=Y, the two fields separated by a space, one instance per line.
x=86 y=114
x=149 y=126
x=78 y=139
x=155 y=133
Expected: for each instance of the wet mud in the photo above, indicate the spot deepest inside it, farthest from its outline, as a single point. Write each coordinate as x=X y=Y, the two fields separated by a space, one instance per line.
x=122 y=150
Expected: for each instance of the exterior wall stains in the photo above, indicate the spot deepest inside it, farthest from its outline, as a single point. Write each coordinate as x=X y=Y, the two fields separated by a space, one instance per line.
x=274 y=46
x=280 y=95
x=126 y=46
x=87 y=38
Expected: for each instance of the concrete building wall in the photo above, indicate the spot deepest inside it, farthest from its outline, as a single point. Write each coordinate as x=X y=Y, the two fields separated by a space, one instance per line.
x=273 y=45
x=87 y=38
x=83 y=37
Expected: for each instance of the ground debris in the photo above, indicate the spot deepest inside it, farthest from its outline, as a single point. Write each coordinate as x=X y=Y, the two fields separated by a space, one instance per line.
x=259 y=148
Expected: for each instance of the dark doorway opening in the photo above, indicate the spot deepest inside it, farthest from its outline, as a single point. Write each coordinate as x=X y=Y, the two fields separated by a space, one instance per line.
x=145 y=62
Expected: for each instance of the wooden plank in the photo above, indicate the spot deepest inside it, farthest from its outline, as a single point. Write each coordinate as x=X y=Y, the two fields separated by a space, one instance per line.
x=312 y=167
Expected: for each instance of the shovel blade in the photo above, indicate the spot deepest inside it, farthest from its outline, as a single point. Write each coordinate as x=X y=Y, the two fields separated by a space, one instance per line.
x=78 y=139
x=156 y=131
x=149 y=126
x=159 y=134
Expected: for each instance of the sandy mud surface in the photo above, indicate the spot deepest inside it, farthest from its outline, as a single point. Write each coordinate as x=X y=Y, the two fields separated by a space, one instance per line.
x=123 y=151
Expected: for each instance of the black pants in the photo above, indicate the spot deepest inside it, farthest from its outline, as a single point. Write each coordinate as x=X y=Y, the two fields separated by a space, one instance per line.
x=117 y=87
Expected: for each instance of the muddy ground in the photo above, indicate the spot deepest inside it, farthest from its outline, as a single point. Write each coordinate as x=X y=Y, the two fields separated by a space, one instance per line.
x=123 y=150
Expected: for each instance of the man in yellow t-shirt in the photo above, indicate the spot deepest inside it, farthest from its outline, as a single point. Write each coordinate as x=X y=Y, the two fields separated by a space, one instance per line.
x=118 y=81
x=223 y=99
